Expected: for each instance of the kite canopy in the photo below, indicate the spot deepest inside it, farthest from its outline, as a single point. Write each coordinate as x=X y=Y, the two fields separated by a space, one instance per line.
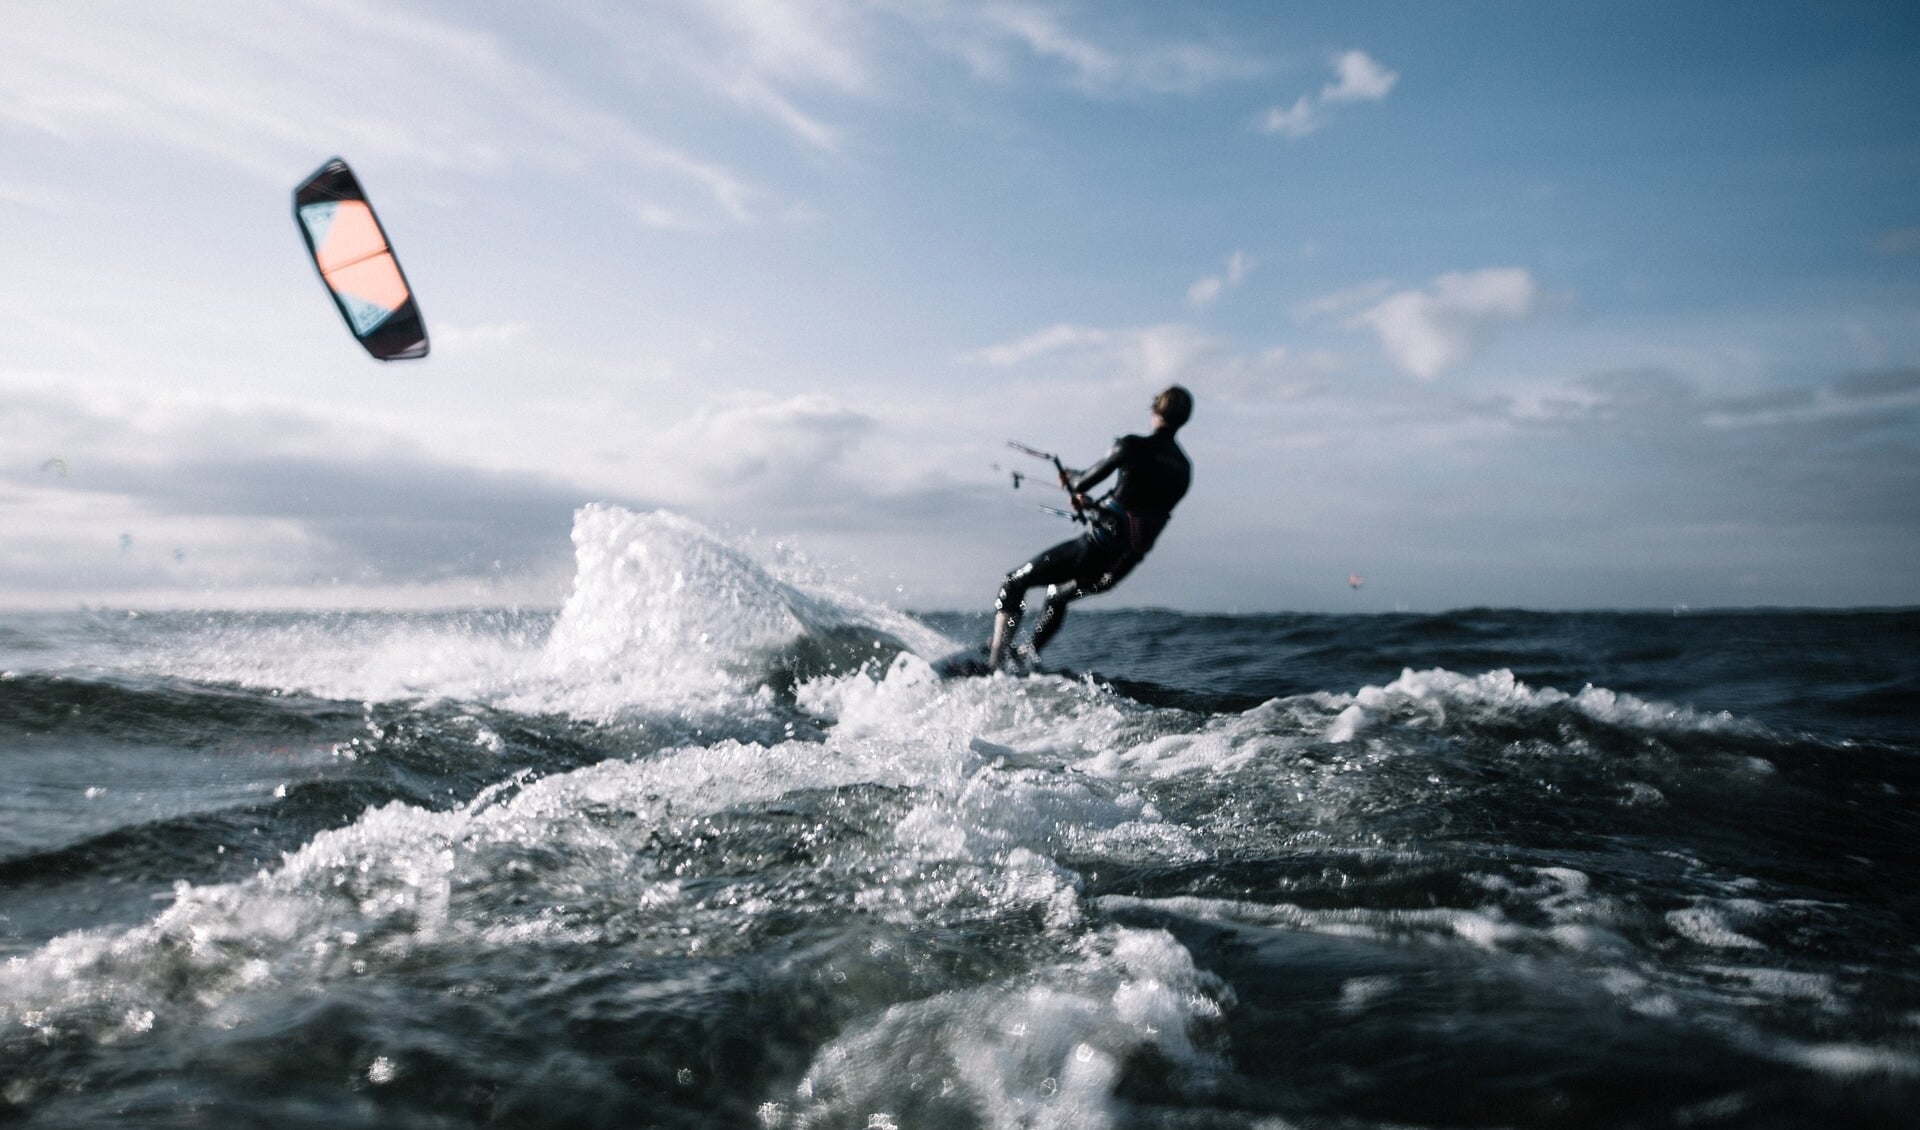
x=350 y=249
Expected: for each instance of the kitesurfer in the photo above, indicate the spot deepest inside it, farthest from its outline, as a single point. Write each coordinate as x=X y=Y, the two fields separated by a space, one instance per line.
x=1153 y=475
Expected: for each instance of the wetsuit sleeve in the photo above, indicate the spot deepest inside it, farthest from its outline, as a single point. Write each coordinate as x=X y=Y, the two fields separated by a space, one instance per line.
x=1091 y=477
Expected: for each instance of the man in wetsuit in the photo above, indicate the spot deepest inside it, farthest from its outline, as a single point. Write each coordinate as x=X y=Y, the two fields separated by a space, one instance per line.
x=1154 y=475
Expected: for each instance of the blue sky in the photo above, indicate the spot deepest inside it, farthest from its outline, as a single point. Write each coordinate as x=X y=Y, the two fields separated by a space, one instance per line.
x=1542 y=305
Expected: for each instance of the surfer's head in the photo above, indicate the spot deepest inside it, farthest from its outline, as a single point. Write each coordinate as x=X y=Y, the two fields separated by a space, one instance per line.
x=1173 y=406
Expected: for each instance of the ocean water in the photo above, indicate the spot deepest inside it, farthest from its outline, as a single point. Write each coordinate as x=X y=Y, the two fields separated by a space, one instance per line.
x=711 y=846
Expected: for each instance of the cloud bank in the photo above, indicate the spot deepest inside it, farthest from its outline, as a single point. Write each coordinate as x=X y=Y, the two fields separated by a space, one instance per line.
x=190 y=496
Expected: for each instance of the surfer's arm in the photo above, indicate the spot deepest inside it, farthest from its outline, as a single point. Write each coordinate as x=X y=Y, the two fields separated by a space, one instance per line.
x=1092 y=476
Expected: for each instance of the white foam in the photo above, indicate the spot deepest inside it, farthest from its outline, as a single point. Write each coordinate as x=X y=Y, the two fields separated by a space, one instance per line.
x=1043 y=1051
x=385 y=885
x=660 y=600
x=1424 y=698
x=664 y=614
x=1223 y=746
x=1711 y=923
x=1855 y=1061
x=1772 y=987
x=401 y=878
x=350 y=657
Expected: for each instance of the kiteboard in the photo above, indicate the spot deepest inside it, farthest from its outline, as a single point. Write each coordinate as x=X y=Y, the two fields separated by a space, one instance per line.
x=971 y=662
x=963 y=664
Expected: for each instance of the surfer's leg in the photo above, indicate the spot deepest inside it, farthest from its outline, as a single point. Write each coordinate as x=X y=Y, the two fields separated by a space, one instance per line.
x=1055 y=613
x=1006 y=616
x=1066 y=592
x=1054 y=565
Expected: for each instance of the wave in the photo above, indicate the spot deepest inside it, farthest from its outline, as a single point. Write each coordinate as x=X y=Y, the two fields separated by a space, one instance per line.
x=1429 y=695
x=712 y=844
x=665 y=612
x=664 y=616
x=818 y=862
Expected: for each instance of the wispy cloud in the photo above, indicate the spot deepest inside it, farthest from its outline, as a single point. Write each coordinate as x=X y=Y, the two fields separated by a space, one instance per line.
x=254 y=86
x=1053 y=338
x=807 y=66
x=1206 y=291
x=1155 y=356
x=766 y=58
x=1358 y=78
x=1345 y=302
x=1101 y=59
x=761 y=443
x=1882 y=402
x=1043 y=34
x=1430 y=330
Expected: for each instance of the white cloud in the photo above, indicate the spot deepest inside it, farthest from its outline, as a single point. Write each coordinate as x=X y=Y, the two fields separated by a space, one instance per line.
x=788 y=61
x=180 y=497
x=1296 y=121
x=1051 y=339
x=1043 y=35
x=1346 y=302
x=1429 y=331
x=237 y=82
x=1359 y=78
x=1209 y=289
x=1103 y=361
x=990 y=38
x=813 y=43
x=764 y=56
x=762 y=442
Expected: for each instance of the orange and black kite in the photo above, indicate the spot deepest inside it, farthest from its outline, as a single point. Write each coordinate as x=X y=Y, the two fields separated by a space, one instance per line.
x=350 y=249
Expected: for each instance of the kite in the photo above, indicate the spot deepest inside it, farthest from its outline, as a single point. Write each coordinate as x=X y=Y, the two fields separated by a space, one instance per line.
x=351 y=252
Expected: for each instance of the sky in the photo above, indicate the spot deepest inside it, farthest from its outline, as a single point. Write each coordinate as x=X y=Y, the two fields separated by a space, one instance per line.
x=1559 y=306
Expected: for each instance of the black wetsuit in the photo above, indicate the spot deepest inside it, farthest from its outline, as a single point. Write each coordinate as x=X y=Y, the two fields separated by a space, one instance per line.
x=1154 y=475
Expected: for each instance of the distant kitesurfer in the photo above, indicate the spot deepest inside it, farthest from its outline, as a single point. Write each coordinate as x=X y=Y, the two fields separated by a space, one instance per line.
x=1153 y=475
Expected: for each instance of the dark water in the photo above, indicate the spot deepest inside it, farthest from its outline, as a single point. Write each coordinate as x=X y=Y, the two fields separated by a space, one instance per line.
x=723 y=853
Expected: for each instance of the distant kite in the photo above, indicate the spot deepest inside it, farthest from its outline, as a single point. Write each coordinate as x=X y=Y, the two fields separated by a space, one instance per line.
x=356 y=263
x=55 y=464
x=1355 y=580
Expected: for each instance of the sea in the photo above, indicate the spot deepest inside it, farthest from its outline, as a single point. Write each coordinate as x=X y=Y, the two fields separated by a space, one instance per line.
x=711 y=845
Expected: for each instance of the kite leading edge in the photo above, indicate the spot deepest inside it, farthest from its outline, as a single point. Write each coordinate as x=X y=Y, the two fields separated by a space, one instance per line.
x=356 y=263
